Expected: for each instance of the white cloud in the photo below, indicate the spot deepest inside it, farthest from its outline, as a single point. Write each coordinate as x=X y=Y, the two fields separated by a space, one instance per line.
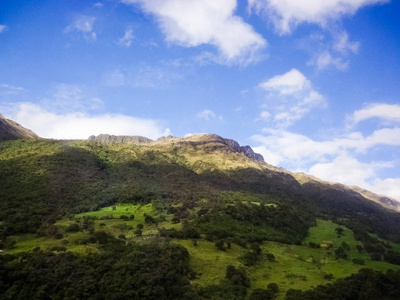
x=270 y=157
x=343 y=45
x=332 y=160
x=206 y=115
x=288 y=14
x=348 y=170
x=191 y=23
x=288 y=83
x=290 y=97
x=3 y=28
x=70 y=98
x=326 y=60
x=80 y=125
x=145 y=76
x=297 y=150
x=83 y=25
x=389 y=187
x=127 y=39
x=385 y=112
x=336 y=158
x=329 y=50
x=6 y=89
x=265 y=115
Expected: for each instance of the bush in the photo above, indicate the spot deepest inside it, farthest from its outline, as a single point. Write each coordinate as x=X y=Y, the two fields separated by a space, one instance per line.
x=74 y=227
x=270 y=257
x=358 y=261
x=273 y=287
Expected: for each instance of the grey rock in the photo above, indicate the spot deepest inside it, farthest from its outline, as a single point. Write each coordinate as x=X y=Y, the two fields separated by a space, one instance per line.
x=114 y=139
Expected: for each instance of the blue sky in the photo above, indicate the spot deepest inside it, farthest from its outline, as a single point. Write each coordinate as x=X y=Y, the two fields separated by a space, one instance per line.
x=312 y=85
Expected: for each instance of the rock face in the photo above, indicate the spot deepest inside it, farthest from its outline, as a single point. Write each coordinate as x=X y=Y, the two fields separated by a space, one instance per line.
x=209 y=141
x=213 y=142
x=126 y=139
x=10 y=130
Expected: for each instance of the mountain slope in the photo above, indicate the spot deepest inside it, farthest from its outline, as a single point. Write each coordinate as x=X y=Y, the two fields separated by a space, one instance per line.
x=10 y=130
x=230 y=212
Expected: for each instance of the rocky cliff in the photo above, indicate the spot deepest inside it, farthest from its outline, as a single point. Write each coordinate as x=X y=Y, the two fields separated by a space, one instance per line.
x=126 y=139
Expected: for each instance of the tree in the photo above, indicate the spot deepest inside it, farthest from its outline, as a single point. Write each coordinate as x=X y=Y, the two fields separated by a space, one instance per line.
x=340 y=253
x=339 y=231
x=220 y=244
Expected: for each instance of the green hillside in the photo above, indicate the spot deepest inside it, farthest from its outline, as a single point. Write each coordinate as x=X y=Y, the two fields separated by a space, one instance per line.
x=179 y=219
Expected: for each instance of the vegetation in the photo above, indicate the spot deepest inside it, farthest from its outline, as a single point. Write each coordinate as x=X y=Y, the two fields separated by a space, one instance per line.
x=86 y=220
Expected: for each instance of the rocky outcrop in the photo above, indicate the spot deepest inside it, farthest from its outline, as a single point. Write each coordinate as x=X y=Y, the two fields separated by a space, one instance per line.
x=114 y=139
x=165 y=138
x=213 y=142
x=383 y=200
x=10 y=130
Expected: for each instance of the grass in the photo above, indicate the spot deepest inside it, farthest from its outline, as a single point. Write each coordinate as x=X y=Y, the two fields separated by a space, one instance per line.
x=295 y=266
x=208 y=262
x=114 y=226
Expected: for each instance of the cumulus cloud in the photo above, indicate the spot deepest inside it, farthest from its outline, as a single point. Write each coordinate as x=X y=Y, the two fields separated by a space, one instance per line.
x=334 y=159
x=83 y=25
x=330 y=49
x=3 y=28
x=348 y=170
x=191 y=23
x=288 y=14
x=127 y=39
x=297 y=150
x=290 y=96
x=346 y=158
x=389 y=187
x=80 y=125
x=326 y=60
x=385 y=112
x=206 y=115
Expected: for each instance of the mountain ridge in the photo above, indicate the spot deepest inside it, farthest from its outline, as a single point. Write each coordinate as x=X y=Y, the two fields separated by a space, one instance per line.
x=11 y=130
x=195 y=139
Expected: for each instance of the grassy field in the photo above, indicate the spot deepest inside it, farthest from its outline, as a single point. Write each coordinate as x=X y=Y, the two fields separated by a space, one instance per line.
x=295 y=266
x=107 y=219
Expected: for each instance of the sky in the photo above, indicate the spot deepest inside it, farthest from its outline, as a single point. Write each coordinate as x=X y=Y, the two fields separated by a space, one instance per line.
x=314 y=86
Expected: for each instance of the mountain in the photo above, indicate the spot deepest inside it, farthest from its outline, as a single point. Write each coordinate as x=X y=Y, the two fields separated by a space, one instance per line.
x=198 y=217
x=10 y=130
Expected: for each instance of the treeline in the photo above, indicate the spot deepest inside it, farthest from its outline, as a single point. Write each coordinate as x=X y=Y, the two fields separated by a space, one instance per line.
x=243 y=223
x=365 y=285
x=148 y=271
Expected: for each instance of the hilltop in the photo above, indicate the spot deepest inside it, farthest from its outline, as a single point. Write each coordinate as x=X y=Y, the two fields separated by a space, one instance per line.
x=10 y=130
